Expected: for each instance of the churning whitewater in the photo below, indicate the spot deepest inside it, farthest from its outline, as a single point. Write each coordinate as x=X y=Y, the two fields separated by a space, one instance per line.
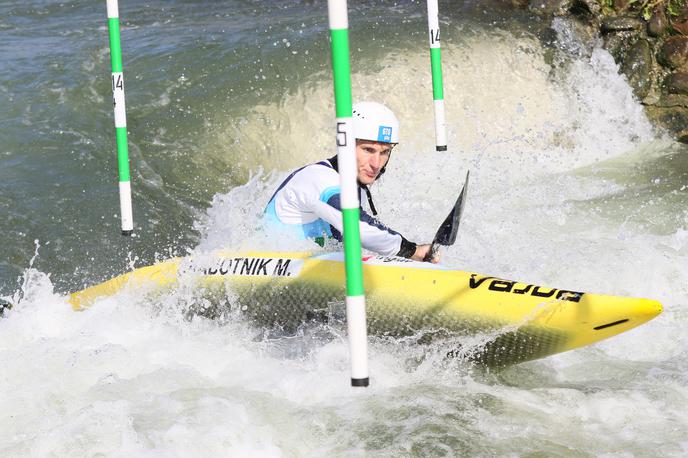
x=570 y=186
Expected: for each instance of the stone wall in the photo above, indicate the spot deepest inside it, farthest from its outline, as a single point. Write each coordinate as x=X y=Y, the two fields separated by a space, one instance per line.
x=649 y=41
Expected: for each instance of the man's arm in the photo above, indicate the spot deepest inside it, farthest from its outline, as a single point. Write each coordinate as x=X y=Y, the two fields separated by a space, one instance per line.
x=374 y=235
x=318 y=193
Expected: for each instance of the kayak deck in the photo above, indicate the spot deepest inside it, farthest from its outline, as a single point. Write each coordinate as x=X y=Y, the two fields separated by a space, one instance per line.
x=519 y=321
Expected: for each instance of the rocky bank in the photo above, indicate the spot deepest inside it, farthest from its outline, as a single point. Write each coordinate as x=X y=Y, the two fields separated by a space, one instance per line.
x=649 y=41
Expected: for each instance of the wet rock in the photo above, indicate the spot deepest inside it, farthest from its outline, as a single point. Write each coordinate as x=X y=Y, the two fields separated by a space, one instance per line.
x=682 y=136
x=549 y=7
x=674 y=52
x=653 y=96
x=654 y=61
x=584 y=8
x=680 y=24
x=621 y=5
x=579 y=39
x=618 y=45
x=673 y=101
x=637 y=65
x=520 y=3
x=620 y=24
x=677 y=83
x=581 y=9
x=658 y=23
x=674 y=119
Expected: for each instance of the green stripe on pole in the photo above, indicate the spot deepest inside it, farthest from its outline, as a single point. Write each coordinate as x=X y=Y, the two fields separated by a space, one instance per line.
x=122 y=153
x=436 y=64
x=119 y=106
x=352 y=252
x=342 y=72
x=343 y=102
x=346 y=152
x=115 y=45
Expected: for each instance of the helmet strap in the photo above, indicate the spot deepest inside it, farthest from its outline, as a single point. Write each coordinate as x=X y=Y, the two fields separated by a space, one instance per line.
x=370 y=199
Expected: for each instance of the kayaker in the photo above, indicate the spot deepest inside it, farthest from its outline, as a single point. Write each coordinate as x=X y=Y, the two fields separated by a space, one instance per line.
x=308 y=200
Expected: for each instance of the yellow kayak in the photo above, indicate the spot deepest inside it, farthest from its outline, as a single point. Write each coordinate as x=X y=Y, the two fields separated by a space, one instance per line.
x=520 y=321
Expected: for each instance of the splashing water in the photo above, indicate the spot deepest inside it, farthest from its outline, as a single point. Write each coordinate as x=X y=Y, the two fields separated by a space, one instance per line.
x=570 y=186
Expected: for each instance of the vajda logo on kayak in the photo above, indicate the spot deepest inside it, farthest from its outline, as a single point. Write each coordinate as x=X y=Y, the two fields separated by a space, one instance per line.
x=506 y=286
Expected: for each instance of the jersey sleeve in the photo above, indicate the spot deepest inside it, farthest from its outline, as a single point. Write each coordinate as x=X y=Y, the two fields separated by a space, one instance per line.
x=312 y=200
x=374 y=235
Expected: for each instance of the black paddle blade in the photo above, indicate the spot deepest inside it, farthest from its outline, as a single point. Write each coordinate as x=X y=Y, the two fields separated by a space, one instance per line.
x=446 y=234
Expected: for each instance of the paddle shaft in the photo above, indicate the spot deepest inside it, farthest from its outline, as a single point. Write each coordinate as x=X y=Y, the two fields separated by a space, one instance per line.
x=448 y=230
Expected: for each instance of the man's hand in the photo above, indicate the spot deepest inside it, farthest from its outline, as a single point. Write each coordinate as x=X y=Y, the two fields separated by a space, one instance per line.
x=422 y=251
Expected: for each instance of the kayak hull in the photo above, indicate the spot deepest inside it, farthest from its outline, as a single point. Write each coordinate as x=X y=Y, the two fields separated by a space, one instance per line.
x=511 y=322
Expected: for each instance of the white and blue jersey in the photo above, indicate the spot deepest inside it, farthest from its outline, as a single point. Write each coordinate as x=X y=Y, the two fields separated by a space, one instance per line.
x=308 y=203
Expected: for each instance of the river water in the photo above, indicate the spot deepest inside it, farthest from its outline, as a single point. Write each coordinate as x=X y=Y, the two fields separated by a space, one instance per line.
x=571 y=186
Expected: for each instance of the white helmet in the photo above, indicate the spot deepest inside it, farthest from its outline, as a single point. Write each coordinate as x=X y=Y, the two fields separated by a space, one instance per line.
x=374 y=121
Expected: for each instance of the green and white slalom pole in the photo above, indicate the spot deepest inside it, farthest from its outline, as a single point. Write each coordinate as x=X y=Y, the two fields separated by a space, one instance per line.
x=437 y=85
x=120 y=119
x=346 y=154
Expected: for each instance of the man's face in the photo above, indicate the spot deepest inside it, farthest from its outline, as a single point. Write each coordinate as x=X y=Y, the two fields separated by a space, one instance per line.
x=371 y=157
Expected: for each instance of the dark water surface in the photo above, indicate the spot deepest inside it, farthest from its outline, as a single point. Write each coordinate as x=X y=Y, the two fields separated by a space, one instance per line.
x=571 y=186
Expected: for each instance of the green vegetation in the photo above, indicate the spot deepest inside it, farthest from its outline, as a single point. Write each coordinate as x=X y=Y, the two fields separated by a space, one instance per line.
x=677 y=7
x=672 y=8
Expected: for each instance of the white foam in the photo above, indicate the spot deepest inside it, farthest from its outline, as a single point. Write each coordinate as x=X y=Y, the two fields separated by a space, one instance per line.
x=131 y=376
